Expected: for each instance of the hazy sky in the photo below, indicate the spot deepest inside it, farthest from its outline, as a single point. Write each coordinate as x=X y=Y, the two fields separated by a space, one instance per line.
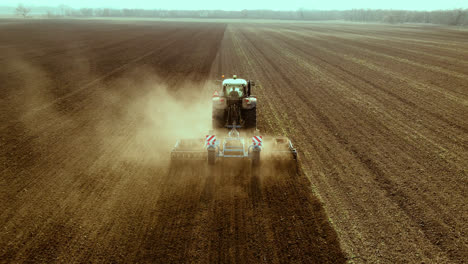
x=251 y=4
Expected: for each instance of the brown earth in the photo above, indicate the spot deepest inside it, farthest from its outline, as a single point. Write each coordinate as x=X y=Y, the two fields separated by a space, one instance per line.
x=89 y=111
x=86 y=134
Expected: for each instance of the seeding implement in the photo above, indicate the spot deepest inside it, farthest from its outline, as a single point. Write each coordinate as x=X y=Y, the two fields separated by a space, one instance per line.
x=234 y=146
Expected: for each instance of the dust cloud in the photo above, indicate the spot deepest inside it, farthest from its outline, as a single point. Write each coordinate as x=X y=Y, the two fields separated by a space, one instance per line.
x=136 y=117
x=32 y=93
x=164 y=116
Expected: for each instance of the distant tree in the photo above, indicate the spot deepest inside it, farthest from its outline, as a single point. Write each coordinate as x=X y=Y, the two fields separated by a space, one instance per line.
x=50 y=14
x=300 y=12
x=244 y=13
x=458 y=15
x=390 y=19
x=23 y=11
x=86 y=12
x=62 y=8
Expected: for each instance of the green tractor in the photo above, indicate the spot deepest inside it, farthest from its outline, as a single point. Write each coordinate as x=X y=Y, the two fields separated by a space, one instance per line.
x=235 y=106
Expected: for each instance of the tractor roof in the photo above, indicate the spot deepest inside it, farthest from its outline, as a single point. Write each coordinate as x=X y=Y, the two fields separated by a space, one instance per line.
x=234 y=82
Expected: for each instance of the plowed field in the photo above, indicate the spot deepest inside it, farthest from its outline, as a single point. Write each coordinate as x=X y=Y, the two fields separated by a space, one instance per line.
x=90 y=110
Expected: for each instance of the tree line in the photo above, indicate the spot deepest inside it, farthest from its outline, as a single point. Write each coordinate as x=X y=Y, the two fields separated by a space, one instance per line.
x=444 y=17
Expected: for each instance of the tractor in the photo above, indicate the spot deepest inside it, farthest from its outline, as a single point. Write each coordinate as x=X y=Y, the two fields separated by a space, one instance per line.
x=235 y=106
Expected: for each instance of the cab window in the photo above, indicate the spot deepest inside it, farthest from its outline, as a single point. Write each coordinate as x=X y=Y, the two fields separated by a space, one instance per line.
x=232 y=90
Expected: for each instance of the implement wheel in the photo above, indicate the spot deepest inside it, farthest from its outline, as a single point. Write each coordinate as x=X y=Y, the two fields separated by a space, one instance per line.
x=211 y=157
x=255 y=158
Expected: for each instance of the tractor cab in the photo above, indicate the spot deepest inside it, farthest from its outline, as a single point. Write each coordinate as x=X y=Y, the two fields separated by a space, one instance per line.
x=235 y=105
x=234 y=91
x=235 y=88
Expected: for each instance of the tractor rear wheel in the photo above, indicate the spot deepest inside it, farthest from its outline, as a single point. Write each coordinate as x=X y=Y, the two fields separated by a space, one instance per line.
x=250 y=118
x=218 y=119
